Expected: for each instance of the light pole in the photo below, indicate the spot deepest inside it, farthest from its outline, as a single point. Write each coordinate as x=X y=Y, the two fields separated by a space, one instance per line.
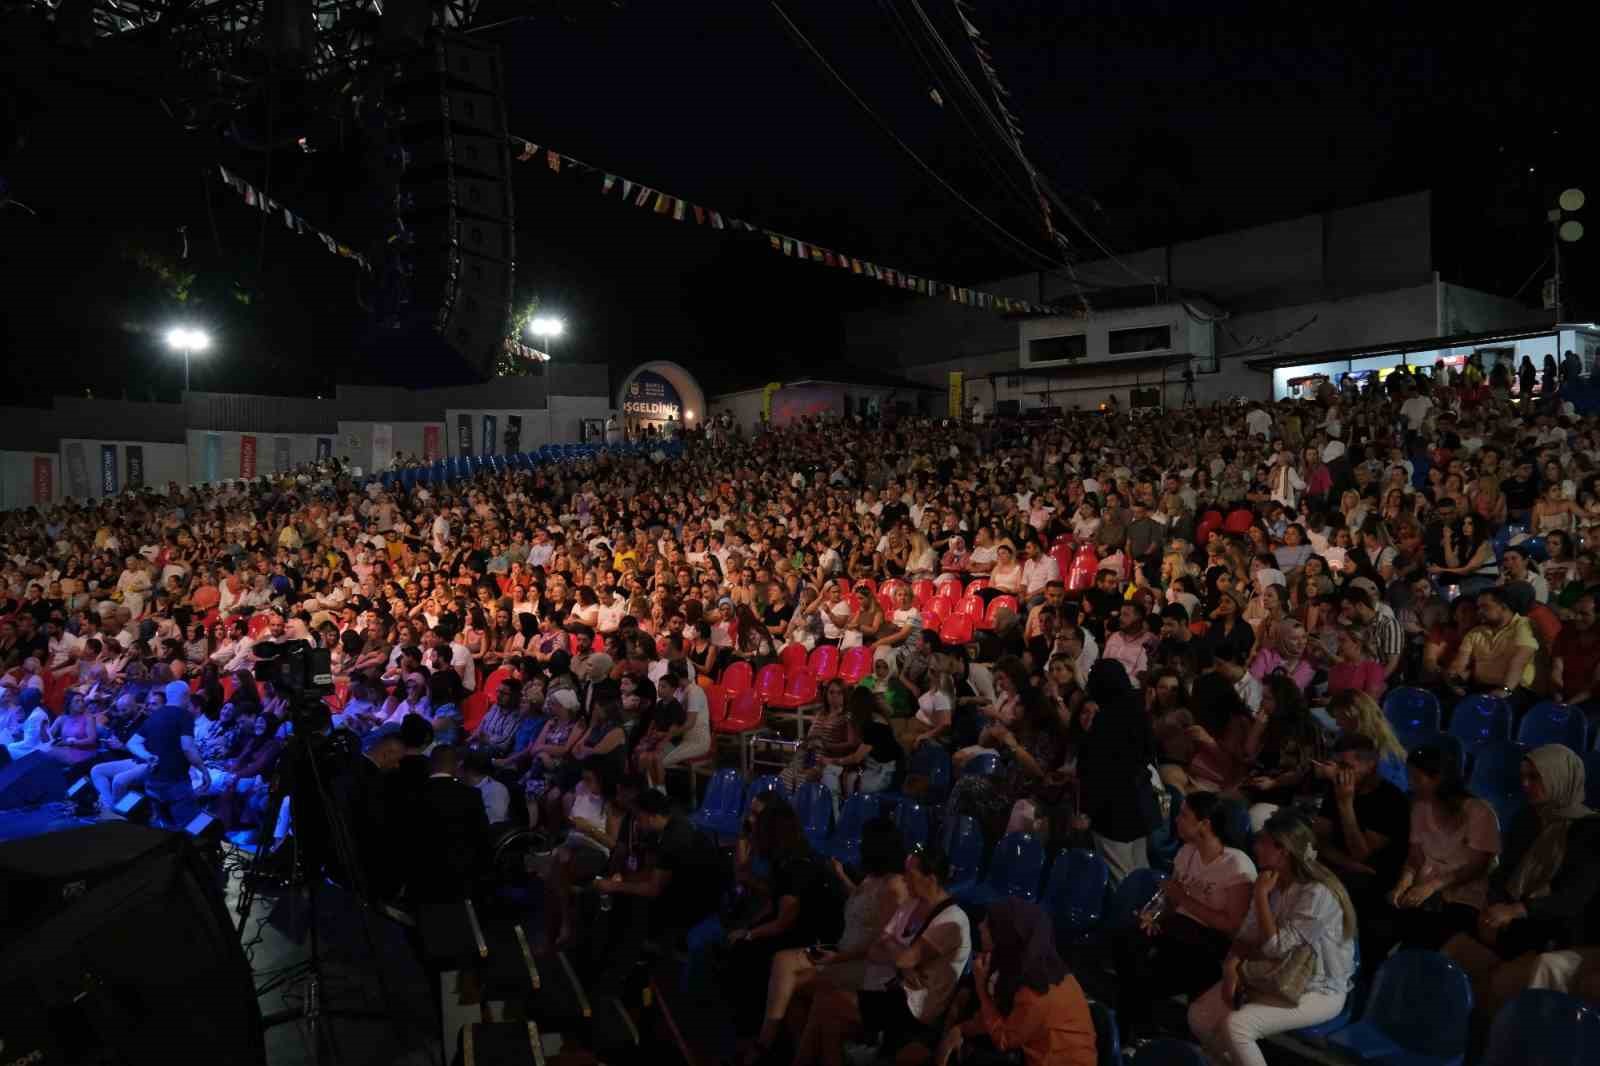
x=546 y=329
x=189 y=342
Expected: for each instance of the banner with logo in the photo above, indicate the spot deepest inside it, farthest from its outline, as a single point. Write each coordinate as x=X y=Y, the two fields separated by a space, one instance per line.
x=108 y=469
x=382 y=446
x=135 y=461
x=957 y=379
x=324 y=447
x=430 y=443
x=213 y=462
x=247 y=457
x=488 y=434
x=43 y=479
x=464 y=435
x=77 y=471
x=513 y=434
x=280 y=455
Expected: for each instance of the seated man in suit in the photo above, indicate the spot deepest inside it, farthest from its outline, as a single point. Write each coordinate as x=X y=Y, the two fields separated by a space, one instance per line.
x=450 y=842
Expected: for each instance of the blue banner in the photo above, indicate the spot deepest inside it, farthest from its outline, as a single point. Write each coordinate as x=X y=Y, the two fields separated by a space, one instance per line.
x=324 y=447
x=213 y=457
x=488 y=434
x=464 y=435
x=108 y=469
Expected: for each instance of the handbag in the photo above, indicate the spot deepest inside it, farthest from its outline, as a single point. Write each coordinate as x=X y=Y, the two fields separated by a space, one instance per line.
x=1277 y=982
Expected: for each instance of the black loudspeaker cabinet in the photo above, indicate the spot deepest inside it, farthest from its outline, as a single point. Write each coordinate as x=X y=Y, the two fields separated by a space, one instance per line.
x=115 y=945
x=31 y=780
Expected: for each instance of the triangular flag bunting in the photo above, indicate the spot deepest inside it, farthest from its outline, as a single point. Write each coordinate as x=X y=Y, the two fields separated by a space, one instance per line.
x=699 y=215
x=552 y=157
x=608 y=184
x=529 y=149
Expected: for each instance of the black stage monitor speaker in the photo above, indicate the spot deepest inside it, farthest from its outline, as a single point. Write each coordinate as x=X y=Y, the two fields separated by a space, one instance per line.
x=31 y=780
x=1144 y=398
x=115 y=947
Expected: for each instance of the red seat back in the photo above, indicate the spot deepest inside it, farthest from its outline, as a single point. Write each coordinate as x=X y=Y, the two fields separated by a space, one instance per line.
x=995 y=606
x=744 y=714
x=825 y=663
x=801 y=684
x=717 y=702
x=792 y=656
x=844 y=585
x=855 y=664
x=1085 y=564
x=769 y=682
x=957 y=629
x=260 y=622
x=886 y=601
x=473 y=708
x=1063 y=540
x=1208 y=522
x=737 y=677
x=932 y=616
x=972 y=608
x=922 y=591
x=1062 y=554
x=977 y=584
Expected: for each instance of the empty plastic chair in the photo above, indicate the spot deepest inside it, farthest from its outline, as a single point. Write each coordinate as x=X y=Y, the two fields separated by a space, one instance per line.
x=922 y=591
x=845 y=843
x=914 y=822
x=965 y=845
x=1015 y=869
x=1544 y=1028
x=716 y=704
x=972 y=609
x=1132 y=893
x=1418 y=1012
x=855 y=664
x=1478 y=719
x=933 y=763
x=1166 y=1052
x=744 y=714
x=764 y=783
x=1107 y=1042
x=824 y=663
x=956 y=629
x=799 y=689
x=1554 y=723
x=932 y=617
x=769 y=682
x=1076 y=895
x=723 y=805
x=1413 y=712
x=793 y=656
x=737 y=677
x=985 y=765
x=814 y=804
x=1496 y=778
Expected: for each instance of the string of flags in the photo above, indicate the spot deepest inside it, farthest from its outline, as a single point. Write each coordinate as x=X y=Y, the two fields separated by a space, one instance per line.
x=680 y=210
x=262 y=202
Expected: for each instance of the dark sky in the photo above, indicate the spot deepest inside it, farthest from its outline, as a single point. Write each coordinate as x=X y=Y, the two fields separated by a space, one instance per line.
x=1156 y=122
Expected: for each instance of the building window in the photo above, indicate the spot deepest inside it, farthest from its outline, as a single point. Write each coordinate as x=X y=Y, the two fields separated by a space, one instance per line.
x=1139 y=339
x=1056 y=349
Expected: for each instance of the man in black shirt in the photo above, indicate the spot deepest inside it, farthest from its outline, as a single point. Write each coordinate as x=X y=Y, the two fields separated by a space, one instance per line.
x=1177 y=646
x=1521 y=491
x=166 y=741
x=1364 y=827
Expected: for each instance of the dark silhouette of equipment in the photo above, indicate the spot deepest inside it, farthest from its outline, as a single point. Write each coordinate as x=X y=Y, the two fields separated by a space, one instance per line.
x=31 y=780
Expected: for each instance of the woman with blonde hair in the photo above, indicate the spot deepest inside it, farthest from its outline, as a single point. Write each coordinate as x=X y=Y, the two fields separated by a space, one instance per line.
x=1298 y=903
x=1356 y=712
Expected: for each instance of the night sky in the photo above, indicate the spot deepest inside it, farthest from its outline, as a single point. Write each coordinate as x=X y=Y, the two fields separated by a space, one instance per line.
x=1155 y=123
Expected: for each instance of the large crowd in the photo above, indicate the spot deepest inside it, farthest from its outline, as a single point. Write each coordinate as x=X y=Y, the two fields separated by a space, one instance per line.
x=1203 y=640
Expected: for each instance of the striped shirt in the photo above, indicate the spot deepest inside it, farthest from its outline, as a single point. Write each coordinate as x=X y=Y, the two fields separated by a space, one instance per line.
x=1385 y=635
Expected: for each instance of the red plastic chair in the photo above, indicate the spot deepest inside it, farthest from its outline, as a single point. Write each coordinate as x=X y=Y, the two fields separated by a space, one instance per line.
x=931 y=617
x=260 y=622
x=995 y=605
x=891 y=585
x=1199 y=629
x=717 y=700
x=922 y=591
x=1209 y=521
x=1239 y=520
x=769 y=682
x=957 y=629
x=1085 y=565
x=844 y=585
x=948 y=590
x=855 y=664
x=854 y=603
x=1063 y=540
x=473 y=708
x=977 y=584
x=972 y=609
x=886 y=601
x=825 y=663
x=792 y=656
x=744 y=714
x=737 y=677
x=598 y=644
x=1062 y=554
x=799 y=690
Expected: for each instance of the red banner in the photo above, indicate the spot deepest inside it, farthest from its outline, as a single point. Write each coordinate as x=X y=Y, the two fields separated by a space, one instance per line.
x=44 y=480
x=247 y=457
x=430 y=443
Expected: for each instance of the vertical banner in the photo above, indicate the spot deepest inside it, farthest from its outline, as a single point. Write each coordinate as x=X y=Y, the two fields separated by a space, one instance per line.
x=280 y=455
x=464 y=435
x=108 y=469
x=382 y=446
x=430 y=444
x=957 y=402
x=513 y=434
x=488 y=434
x=767 y=393
x=324 y=448
x=77 y=471
x=213 y=457
x=135 y=460
x=247 y=456
x=43 y=479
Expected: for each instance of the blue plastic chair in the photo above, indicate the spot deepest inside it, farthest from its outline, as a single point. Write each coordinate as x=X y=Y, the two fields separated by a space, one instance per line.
x=913 y=821
x=965 y=845
x=1076 y=895
x=1418 y=1013
x=696 y=975
x=1536 y=548
x=1554 y=723
x=1591 y=778
x=1392 y=769
x=764 y=783
x=932 y=762
x=845 y=844
x=722 y=806
x=1318 y=1034
x=1132 y=893
x=1107 y=1042
x=1495 y=778
x=985 y=765
x=1478 y=719
x=814 y=804
x=1413 y=712
x=1167 y=1052
x=1544 y=1028
x=1015 y=869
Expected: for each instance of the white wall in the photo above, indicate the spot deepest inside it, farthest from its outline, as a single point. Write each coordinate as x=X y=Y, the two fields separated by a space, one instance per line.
x=162 y=463
x=567 y=414
x=302 y=449
x=355 y=440
x=535 y=428
x=16 y=478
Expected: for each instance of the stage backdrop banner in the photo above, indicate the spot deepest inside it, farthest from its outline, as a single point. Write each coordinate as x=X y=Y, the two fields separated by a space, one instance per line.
x=247 y=456
x=464 y=435
x=280 y=455
x=135 y=460
x=489 y=423
x=108 y=469
x=513 y=434
x=42 y=479
x=430 y=444
x=382 y=446
x=957 y=380
x=324 y=447
x=77 y=471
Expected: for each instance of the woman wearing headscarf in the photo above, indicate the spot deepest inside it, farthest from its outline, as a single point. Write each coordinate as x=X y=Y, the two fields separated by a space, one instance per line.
x=1028 y=1000
x=1116 y=751
x=1547 y=881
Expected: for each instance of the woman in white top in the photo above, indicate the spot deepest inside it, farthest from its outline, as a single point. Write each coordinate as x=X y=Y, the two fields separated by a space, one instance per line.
x=1298 y=902
x=934 y=709
x=1007 y=573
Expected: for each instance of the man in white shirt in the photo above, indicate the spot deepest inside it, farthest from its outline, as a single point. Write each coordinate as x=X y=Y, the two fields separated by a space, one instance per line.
x=1515 y=566
x=1038 y=570
x=1415 y=410
x=477 y=771
x=1258 y=423
x=461 y=661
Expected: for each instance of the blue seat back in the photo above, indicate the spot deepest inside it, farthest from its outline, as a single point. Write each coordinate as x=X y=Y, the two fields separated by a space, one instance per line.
x=1132 y=893
x=964 y=845
x=856 y=812
x=814 y=804
x=1554 y=723
x=764 y=783
x=932 y=762
x=1168 y=1052
x=1544 y=1028
x=1423 y=1002
x=723 y=802
x=1477 y=719
x=1393 y=770
x=1413 y=712
x=985 y=765
x=1017 y=866
x=1107 y=1043
x=913 y=822
x=1076 y=894
x=1496 y=778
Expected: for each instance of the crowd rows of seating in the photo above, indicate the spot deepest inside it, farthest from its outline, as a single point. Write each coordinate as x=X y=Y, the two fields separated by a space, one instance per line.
x=950 y=738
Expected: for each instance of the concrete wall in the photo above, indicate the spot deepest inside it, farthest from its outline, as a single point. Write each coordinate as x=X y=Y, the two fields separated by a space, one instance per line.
x=163 y=463
x=16 y=479
x=302 y=449
x=535 y=428
x=355 y=439
x=566 y=417
x=1464 y=310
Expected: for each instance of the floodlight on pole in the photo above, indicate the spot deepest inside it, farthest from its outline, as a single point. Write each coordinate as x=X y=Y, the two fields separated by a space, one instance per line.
x=190 y=342
x=547 y=329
